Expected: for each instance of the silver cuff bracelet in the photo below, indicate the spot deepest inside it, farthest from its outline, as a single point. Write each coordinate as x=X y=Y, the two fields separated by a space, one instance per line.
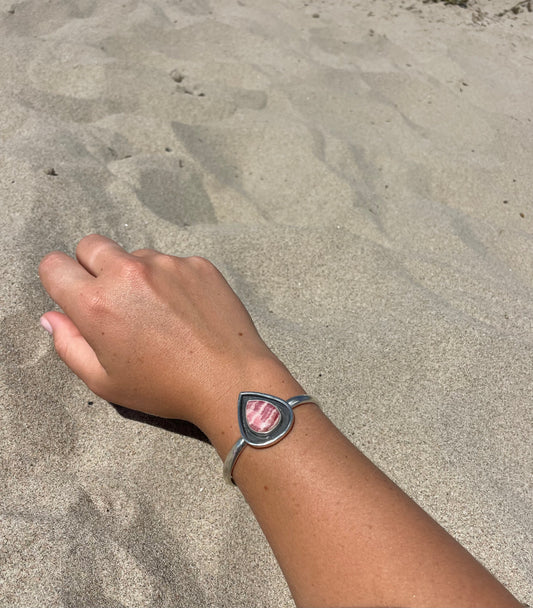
x=263 y=421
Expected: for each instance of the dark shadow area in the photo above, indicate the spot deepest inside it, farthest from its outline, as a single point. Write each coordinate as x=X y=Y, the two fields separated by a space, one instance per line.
x=181 y=427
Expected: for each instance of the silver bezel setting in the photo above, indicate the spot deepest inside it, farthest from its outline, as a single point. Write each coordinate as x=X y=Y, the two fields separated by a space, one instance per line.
x=261 y=440
x=264 y=439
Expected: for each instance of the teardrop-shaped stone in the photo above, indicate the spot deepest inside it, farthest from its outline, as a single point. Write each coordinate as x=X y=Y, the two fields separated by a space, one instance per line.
x=262 y=416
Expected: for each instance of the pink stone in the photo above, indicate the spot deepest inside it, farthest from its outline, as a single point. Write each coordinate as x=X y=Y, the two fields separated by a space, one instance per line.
x=262 y=416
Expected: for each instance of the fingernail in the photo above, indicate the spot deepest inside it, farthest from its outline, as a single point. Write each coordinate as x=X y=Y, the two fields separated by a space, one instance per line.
x=46 y=324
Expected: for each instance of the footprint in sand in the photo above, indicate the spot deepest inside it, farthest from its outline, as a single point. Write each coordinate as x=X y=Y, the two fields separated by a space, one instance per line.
x=173 y=189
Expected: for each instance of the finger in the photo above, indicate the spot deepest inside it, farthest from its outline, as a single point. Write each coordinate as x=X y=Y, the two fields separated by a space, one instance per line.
x=72 y=347
x=62 y=277
x=97 y=253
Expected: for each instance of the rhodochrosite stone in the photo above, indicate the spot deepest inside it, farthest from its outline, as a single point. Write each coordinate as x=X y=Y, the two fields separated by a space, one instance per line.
x=262 y=416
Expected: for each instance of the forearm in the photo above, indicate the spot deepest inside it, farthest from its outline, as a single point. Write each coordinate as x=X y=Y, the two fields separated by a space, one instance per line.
x=168 y=336
x=343 y=533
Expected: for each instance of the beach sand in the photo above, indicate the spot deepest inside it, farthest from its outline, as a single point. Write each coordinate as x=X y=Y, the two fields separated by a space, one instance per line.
x=362 y=174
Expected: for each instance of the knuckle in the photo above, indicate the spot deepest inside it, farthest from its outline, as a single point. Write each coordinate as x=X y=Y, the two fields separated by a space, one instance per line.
x=200 y=263
x=144 y=252
x=168 y=261
x=132 y=269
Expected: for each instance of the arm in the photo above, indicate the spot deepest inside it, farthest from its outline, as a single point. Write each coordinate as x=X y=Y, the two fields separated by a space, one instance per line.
x=168 y=336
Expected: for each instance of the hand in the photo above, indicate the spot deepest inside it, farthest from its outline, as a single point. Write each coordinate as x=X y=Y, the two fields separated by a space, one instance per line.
x=152 y=332
x=168 y=336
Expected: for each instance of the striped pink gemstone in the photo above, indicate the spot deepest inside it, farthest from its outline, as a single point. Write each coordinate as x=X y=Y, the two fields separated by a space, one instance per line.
x=262 y=416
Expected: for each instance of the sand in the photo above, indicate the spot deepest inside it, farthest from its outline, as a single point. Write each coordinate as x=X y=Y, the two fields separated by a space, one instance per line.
x=362 y=174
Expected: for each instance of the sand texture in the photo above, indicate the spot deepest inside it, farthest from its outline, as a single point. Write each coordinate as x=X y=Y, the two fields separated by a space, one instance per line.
x=362 y=173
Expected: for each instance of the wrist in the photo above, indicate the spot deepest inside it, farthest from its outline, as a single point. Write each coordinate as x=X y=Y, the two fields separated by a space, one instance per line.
x=219 y=420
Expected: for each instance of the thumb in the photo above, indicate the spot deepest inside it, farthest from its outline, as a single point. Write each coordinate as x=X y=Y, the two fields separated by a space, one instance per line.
x=74 y=349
